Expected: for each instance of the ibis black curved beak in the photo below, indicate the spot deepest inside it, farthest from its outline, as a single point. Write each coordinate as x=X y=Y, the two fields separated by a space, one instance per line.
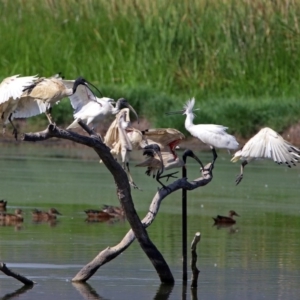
x=190 y=153
x=94 y=88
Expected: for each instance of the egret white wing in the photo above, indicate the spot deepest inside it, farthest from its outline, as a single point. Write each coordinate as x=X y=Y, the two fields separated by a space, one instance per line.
x=214 y=135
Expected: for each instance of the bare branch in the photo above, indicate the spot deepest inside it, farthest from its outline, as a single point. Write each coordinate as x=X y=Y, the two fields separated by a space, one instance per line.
x=17 y=276
x=123 y=192
x=111 y=252
x=195 y=271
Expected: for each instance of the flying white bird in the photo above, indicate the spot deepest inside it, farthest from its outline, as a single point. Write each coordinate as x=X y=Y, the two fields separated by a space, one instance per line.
x=51 y=90
x=213 y=135
x=14 y=103
x=269 y=144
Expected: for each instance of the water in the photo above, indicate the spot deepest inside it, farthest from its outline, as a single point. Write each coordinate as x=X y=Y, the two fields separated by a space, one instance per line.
x=257 y=258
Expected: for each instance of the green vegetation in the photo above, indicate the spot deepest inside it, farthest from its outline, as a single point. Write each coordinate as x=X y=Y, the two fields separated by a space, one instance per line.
x=238 y=58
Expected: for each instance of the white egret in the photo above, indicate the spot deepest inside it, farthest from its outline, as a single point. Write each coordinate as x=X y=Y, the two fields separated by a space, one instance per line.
x=51 y=90
x=267 y=143
x=213 y=135
x=11 y=95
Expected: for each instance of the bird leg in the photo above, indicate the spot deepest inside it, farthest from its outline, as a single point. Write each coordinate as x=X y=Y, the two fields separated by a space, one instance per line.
x=171 y=175
x=48 y=115
x=214 y=154
x=15 y=131
x=240 y=176
x=130 y=179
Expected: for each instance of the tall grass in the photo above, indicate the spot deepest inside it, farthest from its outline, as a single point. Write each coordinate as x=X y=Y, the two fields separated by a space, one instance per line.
x=234 y=56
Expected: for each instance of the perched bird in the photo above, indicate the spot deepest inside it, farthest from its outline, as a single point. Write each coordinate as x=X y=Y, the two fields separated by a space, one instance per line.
x=213 y=135
x=14 y=103
x=51 y=90
x=122 y=138
x=16 y=217
x=3 y=204
x=38 y=215
x=267 y=143
x=92 y=110
x=157 y=161
x=226 y=220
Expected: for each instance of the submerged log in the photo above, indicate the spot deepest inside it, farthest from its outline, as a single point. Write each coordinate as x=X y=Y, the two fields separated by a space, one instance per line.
x=17 y=276
x=123 y=191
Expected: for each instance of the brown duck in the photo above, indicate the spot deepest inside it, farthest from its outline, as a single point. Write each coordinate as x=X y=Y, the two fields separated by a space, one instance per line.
x=114 y=211
x=38 y=215
x=16 y=217
x=226 y=220
x=97 y=214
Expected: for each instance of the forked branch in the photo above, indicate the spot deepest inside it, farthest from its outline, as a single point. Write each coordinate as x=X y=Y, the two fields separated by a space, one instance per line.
x=123 y=191
x=111 y=252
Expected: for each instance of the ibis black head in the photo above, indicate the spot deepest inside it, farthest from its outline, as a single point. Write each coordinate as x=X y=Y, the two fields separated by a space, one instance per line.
x=190 y=153
x=123 y=103
x=81 y=81
x=151 y=149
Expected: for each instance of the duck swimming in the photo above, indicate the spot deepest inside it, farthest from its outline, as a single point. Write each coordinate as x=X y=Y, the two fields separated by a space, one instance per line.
x=226 y=220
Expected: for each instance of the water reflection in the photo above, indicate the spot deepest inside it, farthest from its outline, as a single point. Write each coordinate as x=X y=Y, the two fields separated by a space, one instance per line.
x=18 y=225
x=86 y=291
x=163 y=292
x=17 y=292
x=230 y=227
x=51 y=223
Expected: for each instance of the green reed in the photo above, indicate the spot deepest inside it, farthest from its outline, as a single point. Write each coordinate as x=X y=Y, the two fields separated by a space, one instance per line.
x=235 y=57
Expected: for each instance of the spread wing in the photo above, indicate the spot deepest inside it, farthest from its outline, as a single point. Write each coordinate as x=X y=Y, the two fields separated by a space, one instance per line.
x=12 y=87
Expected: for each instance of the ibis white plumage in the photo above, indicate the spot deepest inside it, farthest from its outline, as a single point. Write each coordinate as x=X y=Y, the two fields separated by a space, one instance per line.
x=213 y=135
x=122 y=138
x=51 y=90
x=14 y=103
x=267 y=144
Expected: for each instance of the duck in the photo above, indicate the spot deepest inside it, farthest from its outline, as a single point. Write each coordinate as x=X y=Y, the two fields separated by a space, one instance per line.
x=51 y=214
x=227 y=220
x=16 y=217
x=94 y=214
x=3 y=204
x=114 y=211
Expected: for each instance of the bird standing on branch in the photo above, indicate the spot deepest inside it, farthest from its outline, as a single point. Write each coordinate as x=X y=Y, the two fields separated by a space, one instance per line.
x=157 y=162
x=51 y=90
x=213 y=135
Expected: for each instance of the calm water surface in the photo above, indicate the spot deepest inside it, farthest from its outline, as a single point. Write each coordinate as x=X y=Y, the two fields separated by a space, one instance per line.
x=258 y=258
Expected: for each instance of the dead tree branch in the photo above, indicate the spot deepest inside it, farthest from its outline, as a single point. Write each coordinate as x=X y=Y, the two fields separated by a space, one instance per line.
x=111 y=252
x=17 y=276
x=123 y=191
x=195 y=271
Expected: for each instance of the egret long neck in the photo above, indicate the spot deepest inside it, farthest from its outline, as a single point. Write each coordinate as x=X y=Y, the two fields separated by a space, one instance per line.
x=189 y=120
